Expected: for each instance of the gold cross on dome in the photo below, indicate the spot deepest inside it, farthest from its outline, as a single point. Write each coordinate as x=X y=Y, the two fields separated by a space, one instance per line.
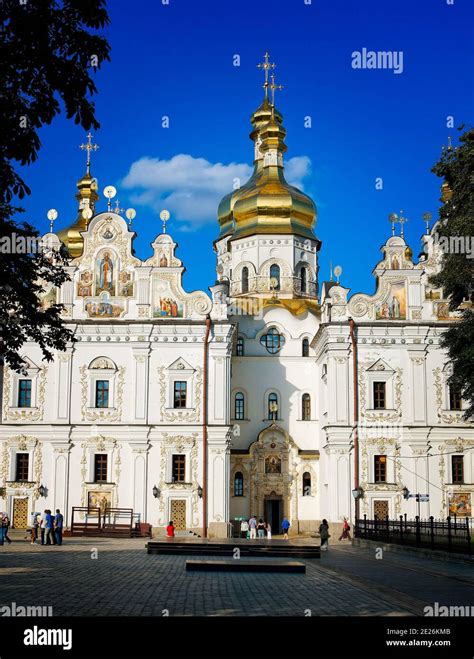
x=117 y=208
x=88 y=147
x=266 y=66
x=273 y=88
x=402 y=220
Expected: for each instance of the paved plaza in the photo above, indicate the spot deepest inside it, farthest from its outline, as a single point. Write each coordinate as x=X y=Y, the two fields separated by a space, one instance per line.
x=124 y=580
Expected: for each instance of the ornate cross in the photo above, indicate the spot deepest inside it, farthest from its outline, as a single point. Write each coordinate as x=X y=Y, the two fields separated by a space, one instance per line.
x=117 y=208
x=266 y=66
x=273 y=88
x=402 y=220
x=393 y=219
x=88 y=147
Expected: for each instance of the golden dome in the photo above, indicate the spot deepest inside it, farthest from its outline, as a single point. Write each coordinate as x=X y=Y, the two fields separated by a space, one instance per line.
x=267 y=203
x=87 y=197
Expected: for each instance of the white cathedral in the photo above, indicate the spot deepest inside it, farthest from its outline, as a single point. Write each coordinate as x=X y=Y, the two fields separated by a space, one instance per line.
x=273 y=396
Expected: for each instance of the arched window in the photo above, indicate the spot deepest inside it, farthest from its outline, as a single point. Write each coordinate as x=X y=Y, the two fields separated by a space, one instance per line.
x=238 y=484
x=306 y=407
x=245 y=280
x=305 y=348
x=273 y=406
x=303 y=280
x=239 y=348
x=306 y=484
x=239 y=406
x=275 y=275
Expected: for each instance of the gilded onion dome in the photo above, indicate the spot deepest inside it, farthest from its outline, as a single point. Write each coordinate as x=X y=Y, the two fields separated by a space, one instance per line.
x=87 y=197
x=267 y=203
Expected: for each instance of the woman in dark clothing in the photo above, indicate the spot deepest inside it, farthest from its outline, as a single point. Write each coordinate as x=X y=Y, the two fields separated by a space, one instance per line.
x=324 y=533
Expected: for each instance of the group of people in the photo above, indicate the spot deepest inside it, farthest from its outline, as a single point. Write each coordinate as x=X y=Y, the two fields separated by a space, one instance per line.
x=49 y=527
x=253 y=529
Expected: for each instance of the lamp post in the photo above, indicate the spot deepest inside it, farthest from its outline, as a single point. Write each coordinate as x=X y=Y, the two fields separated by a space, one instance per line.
x=156 y=492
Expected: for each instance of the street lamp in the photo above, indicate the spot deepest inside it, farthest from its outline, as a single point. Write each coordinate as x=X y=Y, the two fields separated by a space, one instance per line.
x=156 y=492
x=42 y=491
x=358 y=493
x=405 y=492
x=199 y=491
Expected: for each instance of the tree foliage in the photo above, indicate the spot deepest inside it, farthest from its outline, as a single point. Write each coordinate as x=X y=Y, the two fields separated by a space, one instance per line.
x=48 y=51
x=456 y=276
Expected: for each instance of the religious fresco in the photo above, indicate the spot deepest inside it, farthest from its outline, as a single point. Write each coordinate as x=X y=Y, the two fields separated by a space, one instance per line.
x=105 y=273
x=48 y=298
x=104 y=308
x=460 y=504
x=84 y=285
x=395 y=306
x=165 y=304
x=163 y=261
x=442 y=311
x=102 y=500
x=272 y=465
x=125 y=284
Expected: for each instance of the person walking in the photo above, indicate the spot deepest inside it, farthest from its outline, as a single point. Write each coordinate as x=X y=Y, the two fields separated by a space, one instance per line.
x=253 y=527
x=261 y=529
x=170 y=530
x=345 y=535
x=244 y=528
x=48 y=525
x=324 y=533
x=285 y=525
x=268 y=529
x=58 y=527
x=5 y=527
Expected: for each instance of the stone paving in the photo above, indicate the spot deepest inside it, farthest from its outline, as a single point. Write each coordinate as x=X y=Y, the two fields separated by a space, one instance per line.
x=125 y=580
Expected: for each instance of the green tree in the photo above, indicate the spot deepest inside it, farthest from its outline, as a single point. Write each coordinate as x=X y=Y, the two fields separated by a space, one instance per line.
x=456 y=277
x=48 y=51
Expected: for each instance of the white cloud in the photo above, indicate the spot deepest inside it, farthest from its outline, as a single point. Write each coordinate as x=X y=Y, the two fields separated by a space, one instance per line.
x=191 y=188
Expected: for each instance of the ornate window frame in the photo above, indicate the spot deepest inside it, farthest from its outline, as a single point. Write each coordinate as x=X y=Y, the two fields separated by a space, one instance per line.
x=37 y=375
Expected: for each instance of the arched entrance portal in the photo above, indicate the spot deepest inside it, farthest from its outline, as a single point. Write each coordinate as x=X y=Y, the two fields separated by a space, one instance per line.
x=271 y=479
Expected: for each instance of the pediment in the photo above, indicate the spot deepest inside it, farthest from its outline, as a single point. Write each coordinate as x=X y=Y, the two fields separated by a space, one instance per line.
x=180 y=364
x=380 y=365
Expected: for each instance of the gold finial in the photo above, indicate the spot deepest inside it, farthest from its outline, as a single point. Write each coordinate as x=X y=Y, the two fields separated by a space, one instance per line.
x=88 y=147
x=273 y=88
x=427 y=219
x=402 y=220
x=450 y=146
x=117 y=208
x=266 y=66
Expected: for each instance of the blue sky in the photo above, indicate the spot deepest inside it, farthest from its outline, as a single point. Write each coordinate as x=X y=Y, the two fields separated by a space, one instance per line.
x=176 y=60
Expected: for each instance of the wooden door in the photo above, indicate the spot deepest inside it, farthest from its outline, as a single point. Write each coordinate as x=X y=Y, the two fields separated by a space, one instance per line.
x=20 y=513
x=381 y=508
x=178 y=514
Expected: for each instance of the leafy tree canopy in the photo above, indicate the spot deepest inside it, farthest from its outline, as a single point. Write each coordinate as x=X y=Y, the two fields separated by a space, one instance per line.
x=48 y=51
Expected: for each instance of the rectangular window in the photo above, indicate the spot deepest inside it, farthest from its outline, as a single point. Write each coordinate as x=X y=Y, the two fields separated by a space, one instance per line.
x=239 y=349
x=179 y=468
x=100 y=467
x=380 y=469
x=180 y=394
x=457 y=462
x=22 y=466
x=102 y=393
x=379 y=395
x=24 y=393
x=454 y=399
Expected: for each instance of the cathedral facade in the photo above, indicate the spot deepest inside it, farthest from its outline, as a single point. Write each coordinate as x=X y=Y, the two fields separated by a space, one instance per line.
x=273 y=395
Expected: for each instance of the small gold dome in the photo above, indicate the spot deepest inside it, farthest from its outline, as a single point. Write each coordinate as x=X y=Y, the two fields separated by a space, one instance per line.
x=87 y=197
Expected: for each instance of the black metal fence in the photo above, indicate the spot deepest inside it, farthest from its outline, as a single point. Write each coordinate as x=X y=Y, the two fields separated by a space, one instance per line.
x=452 y=534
